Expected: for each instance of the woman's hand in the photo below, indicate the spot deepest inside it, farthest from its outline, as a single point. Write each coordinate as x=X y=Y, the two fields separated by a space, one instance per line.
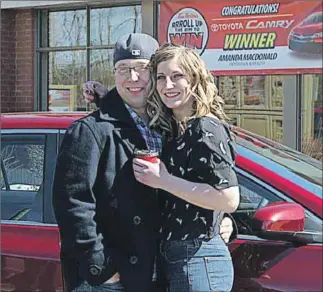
x=151 y=174
x=226 y=229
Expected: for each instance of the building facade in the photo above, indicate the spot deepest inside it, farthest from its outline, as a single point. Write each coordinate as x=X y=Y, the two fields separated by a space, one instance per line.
x=50 y=48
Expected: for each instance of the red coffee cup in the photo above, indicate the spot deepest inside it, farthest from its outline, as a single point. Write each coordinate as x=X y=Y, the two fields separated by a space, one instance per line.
x=148 y=155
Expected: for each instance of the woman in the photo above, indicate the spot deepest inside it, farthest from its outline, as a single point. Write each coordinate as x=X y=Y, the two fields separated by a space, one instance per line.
x=195 y=176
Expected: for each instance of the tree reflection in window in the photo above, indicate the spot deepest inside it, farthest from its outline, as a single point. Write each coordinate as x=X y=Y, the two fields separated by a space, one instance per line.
x=23 y=166
x=101 y=64
x=69 y=68
x=108 y=24
x=82 y=61
x=67 y=28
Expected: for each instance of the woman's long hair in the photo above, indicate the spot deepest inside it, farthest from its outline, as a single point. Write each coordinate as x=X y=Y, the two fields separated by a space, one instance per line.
x=202 y=88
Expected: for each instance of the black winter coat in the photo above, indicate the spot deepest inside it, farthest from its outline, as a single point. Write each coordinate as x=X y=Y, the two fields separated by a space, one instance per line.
x=108 y=221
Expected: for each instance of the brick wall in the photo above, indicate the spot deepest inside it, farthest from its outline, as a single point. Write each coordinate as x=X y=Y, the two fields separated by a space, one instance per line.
x=8 y=60
x=17 y=60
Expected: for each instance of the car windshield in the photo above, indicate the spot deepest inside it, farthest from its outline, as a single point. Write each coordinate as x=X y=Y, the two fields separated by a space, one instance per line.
x=314 y=18
x=298 y=163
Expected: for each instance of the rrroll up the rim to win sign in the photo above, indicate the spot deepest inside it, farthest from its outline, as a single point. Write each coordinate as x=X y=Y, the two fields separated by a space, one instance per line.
x=248 y=37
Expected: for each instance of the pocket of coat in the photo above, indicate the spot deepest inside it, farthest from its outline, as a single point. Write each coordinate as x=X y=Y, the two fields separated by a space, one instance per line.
x=220 y=273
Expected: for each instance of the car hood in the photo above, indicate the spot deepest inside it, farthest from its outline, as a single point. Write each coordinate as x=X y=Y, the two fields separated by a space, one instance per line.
x=292 y=160
x=308 y=29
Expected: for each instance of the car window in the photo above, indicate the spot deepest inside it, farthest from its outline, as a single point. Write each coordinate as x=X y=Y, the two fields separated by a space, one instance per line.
x=253 y=197
x=61 y=137
x=314 y=18
x=284 y=158
x=22 y=173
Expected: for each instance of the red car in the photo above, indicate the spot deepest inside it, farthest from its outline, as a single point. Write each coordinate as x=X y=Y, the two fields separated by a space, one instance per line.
x=279 y=220
x=307 y=37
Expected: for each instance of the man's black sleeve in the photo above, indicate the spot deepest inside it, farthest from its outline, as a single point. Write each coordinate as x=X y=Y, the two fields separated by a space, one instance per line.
x=74 y=203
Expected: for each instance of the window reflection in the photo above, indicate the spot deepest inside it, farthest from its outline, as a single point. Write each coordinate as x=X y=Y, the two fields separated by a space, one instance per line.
x=277 y=91
x=312 y=116
x=256 y=102
x=67 y=28
x=108 y=24
x=277 y=129
x=254 y=90
x=230 y=89
x=233 y=120
x=102 y=67
x=67 y=72
x=23 y=171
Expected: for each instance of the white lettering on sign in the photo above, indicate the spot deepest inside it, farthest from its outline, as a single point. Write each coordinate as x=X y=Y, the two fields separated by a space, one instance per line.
x=188 y=27
x=255 y=24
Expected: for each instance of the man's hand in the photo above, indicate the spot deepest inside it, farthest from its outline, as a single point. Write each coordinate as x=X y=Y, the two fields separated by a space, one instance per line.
x=226 y=229
x=114 y=279
x=93 y=91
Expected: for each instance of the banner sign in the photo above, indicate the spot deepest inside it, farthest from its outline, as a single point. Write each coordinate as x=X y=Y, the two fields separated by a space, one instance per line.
x=61 y=98
x=248 y=37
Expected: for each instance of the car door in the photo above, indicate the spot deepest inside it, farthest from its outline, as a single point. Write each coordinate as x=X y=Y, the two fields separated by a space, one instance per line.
x=269 y=265
x=29 y=245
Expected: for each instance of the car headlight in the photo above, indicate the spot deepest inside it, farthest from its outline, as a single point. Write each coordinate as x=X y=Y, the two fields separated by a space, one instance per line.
x=318 y=35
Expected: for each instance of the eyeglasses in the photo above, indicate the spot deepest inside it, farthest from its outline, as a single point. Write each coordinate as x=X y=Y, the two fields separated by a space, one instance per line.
x=125 y=71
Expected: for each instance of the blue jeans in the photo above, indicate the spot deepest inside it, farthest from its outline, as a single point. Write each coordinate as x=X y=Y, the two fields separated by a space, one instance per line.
x=197 y=265
x=110 y=287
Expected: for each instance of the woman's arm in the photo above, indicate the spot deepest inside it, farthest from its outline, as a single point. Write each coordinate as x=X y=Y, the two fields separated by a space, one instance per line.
x=199 y=194
x=203 y=195
x=209 y=180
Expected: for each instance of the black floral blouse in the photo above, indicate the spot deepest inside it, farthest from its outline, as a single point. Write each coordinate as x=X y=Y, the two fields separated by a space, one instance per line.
x=205 y=153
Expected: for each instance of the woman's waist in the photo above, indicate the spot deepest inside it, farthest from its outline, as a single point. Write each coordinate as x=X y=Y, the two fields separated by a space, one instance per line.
x=195 y=247
x=189 y=230
x=194 y=242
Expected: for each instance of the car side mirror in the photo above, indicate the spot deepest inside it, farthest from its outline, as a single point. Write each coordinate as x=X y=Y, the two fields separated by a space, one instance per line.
x=280 y=216
x=283 y=221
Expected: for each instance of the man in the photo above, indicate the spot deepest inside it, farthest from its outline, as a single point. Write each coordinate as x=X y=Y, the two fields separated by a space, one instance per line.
x=108 y=221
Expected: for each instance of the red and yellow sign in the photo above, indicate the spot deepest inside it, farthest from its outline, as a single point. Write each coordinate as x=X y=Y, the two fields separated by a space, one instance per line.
x=61 y=97
x=248 y=37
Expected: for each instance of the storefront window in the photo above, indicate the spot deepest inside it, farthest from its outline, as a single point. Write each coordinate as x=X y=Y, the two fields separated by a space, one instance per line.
x=277 y=129
x=67 y=28
x=255 y=103
x=312 y=116
x=230 y=89
x=108 y=24
x=254 y=91
x=78 y=46
x=101 y=65
x=66 y=71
